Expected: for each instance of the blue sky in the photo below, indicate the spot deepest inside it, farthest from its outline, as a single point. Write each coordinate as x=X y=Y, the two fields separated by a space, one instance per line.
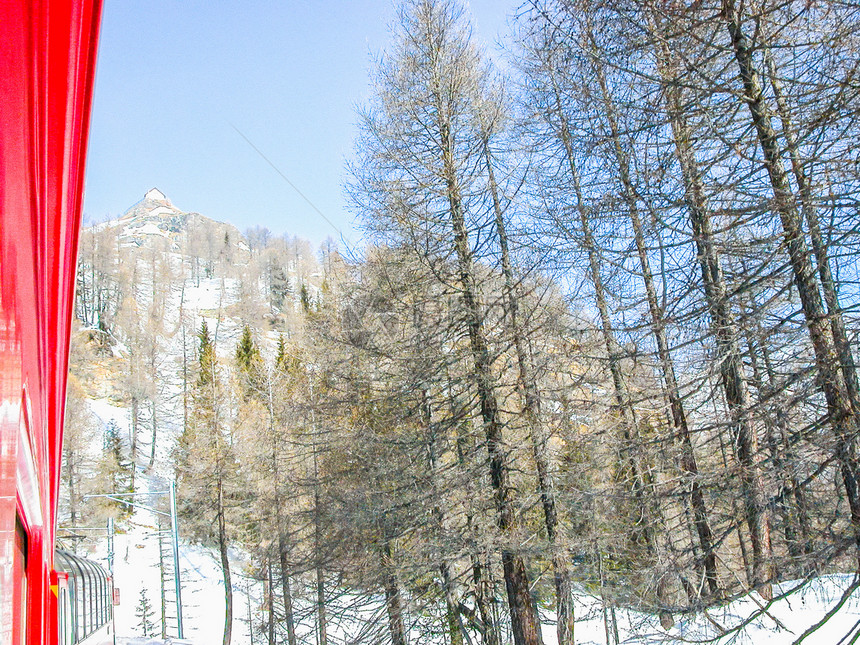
x=174 y=77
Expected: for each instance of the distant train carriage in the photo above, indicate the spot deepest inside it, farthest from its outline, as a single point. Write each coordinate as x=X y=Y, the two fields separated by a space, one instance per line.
x=84 y=601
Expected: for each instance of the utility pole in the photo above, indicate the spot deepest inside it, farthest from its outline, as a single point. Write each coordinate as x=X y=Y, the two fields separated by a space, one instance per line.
x=174 y=530
x=110 y=545
x=174 y=535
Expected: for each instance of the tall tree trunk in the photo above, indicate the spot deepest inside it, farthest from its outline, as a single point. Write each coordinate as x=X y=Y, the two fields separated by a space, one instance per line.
x=451 y=612
x=286 y=592
x=724 y=328
x=783 y=424
x=842 y=415
x=737 y=518
x=658 y=328
x=790 y=499
x=481 y=586
x=484 y=598
x=135 y=420
x=285 y=588
x=270 y=600
x=322 y=621
x=225 y=567
x=393 y=604
x=531 y=402
x=819 y=247
x=154 y=413
x=614 y=353
x=775 y=434
x=525 y=622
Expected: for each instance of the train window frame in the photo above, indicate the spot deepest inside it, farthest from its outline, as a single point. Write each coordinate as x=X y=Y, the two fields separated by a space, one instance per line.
x=72 y=564
x=90 y=597
x=96 y=597
x=62 y=621
x=81 y=587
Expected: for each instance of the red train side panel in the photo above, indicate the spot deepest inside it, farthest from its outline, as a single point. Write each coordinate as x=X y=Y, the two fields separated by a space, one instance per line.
x=47 y=62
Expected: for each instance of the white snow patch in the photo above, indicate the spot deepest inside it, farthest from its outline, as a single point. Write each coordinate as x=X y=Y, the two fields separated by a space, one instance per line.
x=150 y=228
x=206 y=295
x=162 y=210
x=155 y=195
x=744 y=621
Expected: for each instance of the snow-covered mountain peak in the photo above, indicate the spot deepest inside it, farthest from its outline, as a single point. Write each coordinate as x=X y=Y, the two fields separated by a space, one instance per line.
x=155 y=216
x=155 y=207
x=156 y=195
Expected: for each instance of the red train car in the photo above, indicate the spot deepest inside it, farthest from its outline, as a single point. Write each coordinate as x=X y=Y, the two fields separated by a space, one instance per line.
x=46 y=80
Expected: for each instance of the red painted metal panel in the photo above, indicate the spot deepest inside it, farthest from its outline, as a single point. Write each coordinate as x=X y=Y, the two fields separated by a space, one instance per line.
x=16 y=193
x=19 y=593
x=47 y=62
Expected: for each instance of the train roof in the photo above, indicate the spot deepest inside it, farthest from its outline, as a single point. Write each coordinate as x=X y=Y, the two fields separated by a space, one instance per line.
x=75 y=565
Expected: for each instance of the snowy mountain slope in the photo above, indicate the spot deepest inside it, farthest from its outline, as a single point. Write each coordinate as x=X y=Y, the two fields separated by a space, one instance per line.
x=183 y=273
x=744 y=621
x=156 y=216
x=136 y=556
x=167 y=271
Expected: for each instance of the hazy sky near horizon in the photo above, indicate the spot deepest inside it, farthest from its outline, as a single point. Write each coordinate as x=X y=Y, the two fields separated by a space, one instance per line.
x=176 y=79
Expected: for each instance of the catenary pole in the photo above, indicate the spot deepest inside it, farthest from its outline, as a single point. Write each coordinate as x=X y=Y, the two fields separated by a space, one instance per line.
x=110 y=531
x=174 y=536
x=174 y=532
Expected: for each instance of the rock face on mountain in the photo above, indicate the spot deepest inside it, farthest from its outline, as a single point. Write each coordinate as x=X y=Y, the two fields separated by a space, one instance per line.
x=155 y=215
x=148 y=283
x=157 y=259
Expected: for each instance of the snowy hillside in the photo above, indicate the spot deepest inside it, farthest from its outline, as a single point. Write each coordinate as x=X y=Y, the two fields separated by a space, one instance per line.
x=136 y=567
x=149 y=280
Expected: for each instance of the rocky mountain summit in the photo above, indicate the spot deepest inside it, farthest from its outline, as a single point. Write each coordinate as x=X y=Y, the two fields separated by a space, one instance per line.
x=155 y=215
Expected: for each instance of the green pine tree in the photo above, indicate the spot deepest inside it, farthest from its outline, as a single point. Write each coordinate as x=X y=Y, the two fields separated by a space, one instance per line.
x=205 y=357
x=287 y=362
x=144 y=614
x=305 y=297
x=281 y=357
x=206 y=467
x=247 y=353
x=279 y=285
x=249 y=363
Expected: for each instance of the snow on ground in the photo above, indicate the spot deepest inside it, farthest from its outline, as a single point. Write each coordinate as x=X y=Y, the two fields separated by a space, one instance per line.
x=150 y=228
x=208 y=294
x=136 y=555
x=203 y=598
x=107 y=411
x=746 y=621
x=136 y=567
x=357 y=619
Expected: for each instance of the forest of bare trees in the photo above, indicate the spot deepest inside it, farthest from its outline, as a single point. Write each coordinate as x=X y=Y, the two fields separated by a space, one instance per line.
x=602 y=337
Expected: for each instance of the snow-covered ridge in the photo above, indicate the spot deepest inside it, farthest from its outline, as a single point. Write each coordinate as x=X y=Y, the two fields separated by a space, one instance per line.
x=155 y=215
x=147 y=281
x=188 y=292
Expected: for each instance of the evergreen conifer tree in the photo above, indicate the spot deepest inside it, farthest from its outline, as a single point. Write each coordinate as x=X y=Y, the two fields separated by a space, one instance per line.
x=114 y=472
x=144 y=613
x=205 y=357
x=206 y=466
x=305 y=297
